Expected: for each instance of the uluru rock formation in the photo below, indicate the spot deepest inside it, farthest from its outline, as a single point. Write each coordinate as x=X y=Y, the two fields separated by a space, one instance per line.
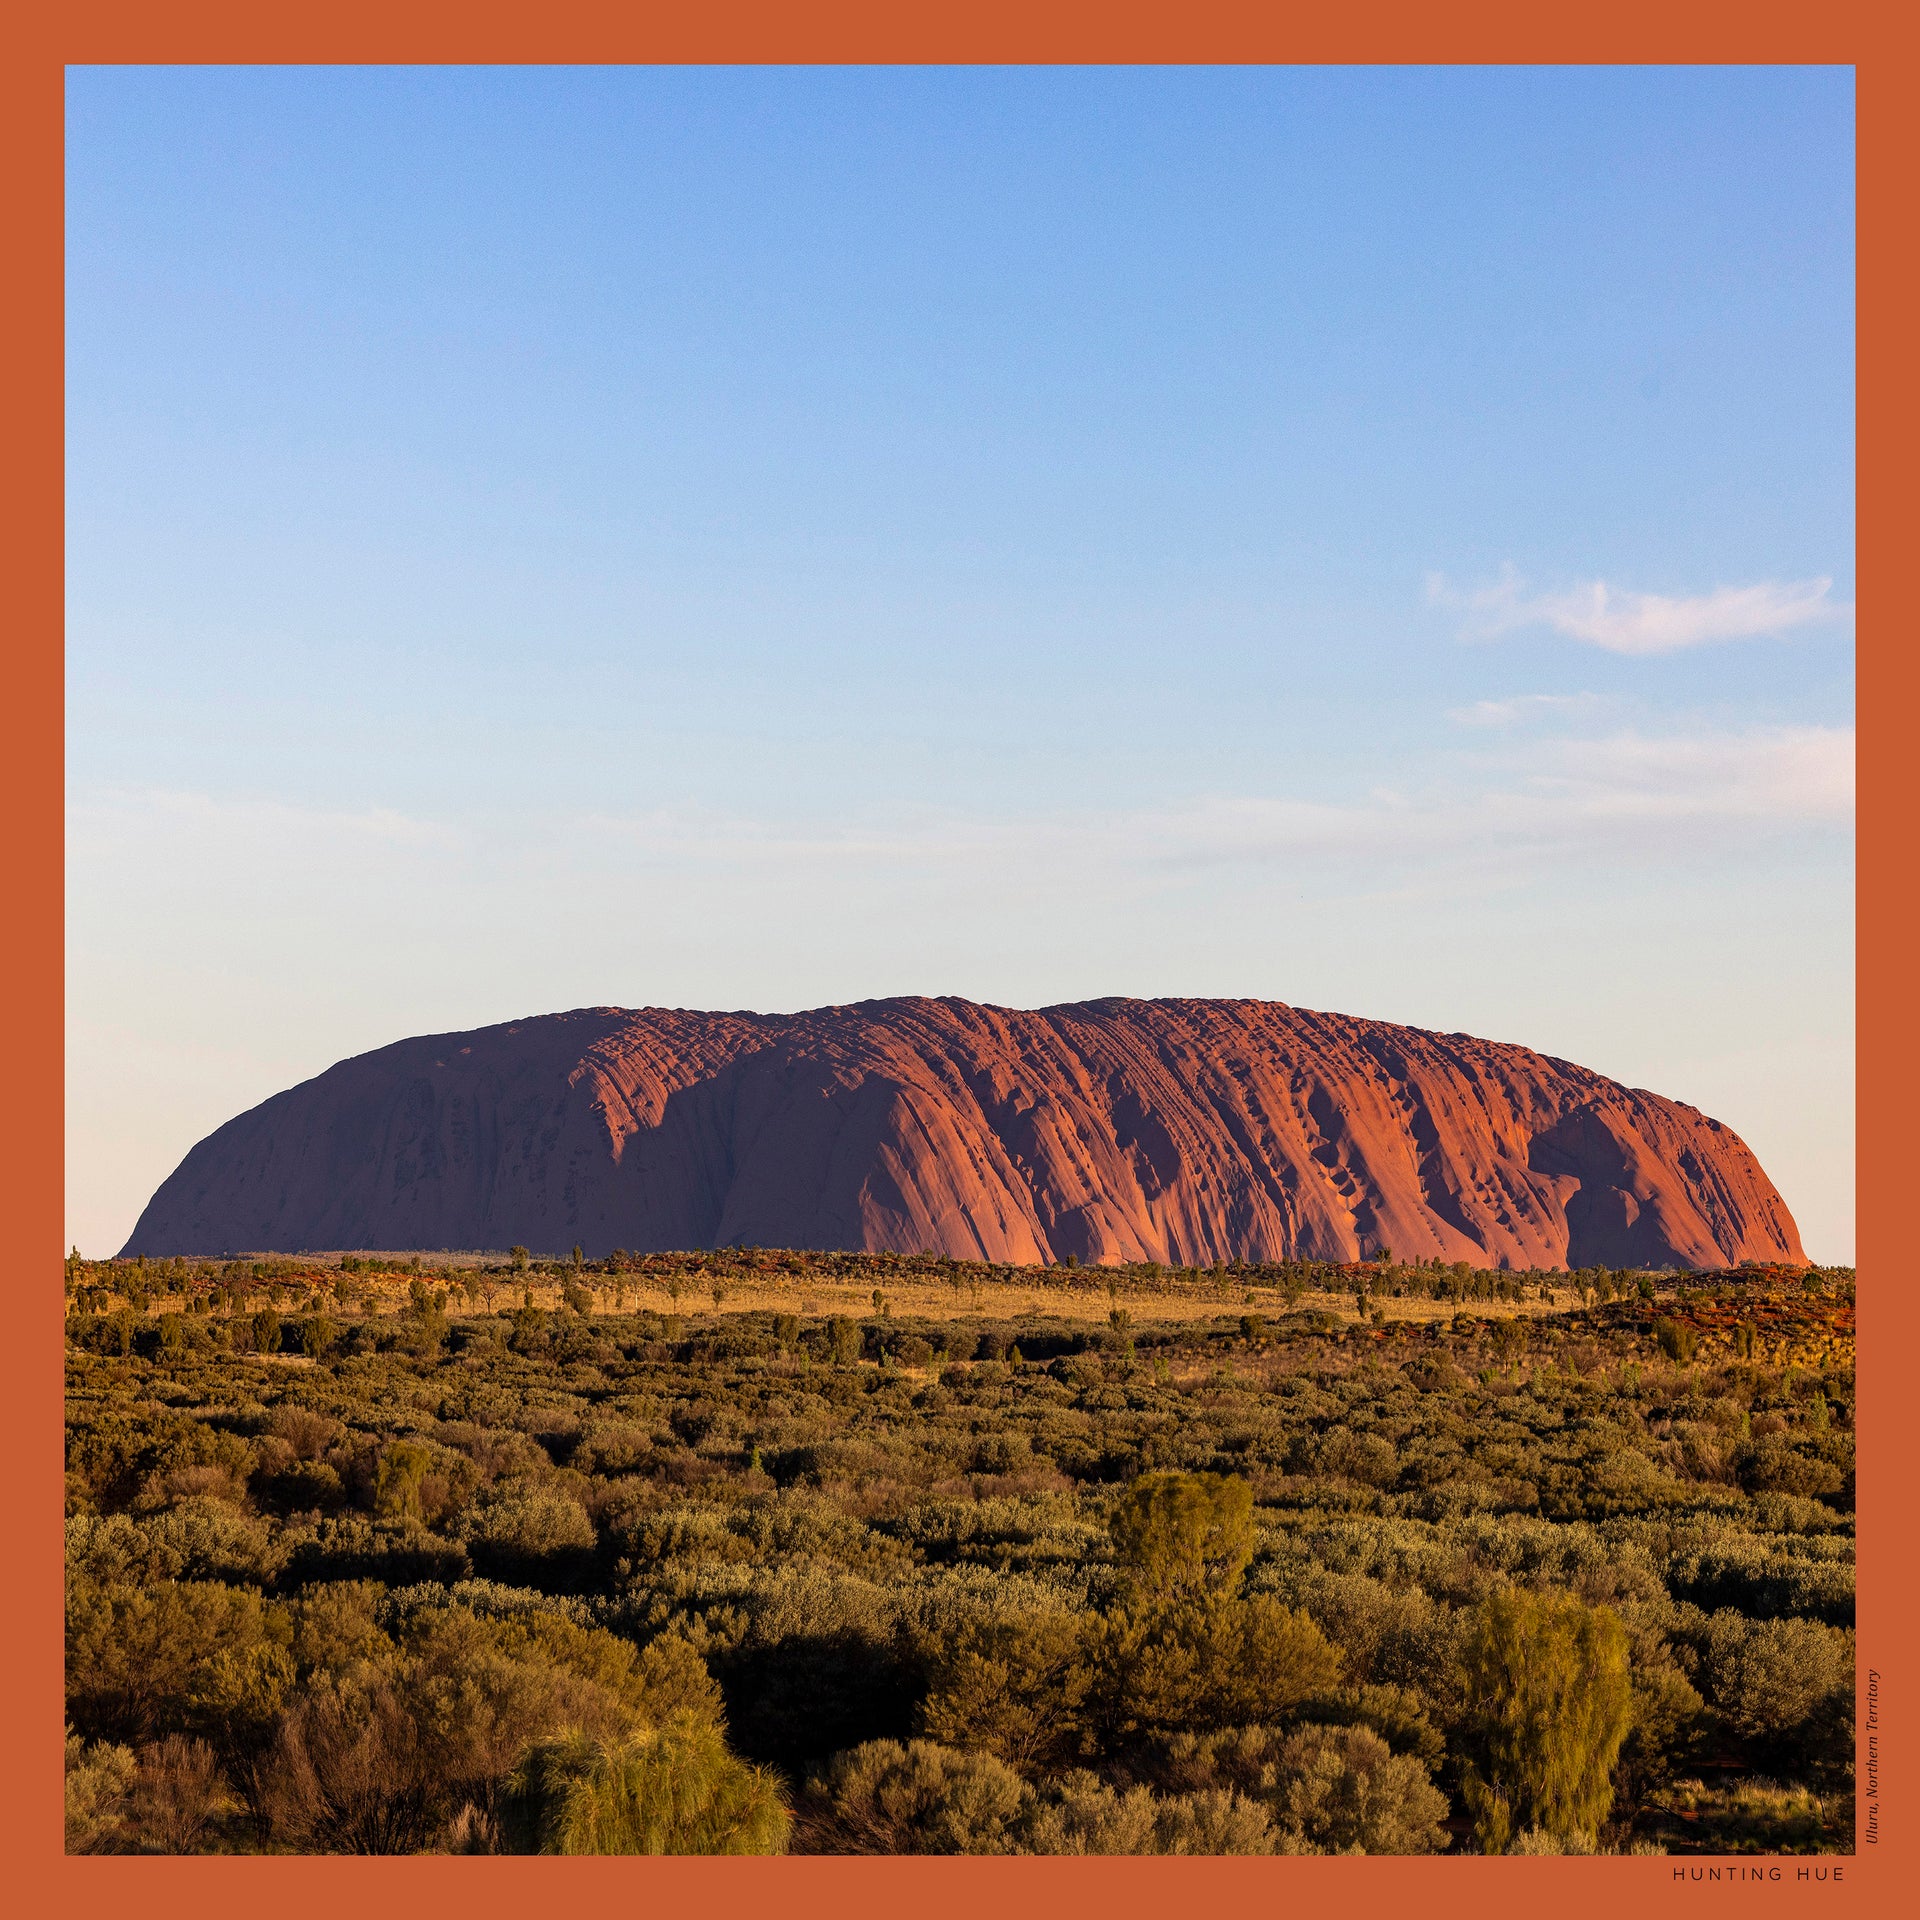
x=1182 y=1131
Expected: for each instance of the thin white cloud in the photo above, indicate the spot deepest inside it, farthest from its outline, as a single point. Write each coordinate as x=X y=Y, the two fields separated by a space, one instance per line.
x=170 y=812
x=1552 y=792
x=1782 y=774
x=1557 y=794
x=1643 y=623
x=1522 y=708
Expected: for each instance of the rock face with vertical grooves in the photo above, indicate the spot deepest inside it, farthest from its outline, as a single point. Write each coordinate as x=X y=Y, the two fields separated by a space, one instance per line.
x=1175 y=1130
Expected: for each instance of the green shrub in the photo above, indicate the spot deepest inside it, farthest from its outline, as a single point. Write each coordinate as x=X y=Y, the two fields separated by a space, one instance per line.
x=1081 y=1814
x=920 y=1798
x=1786 y=1686
x=1343 y=1790
x=675 y=1789
x=1215 y=1662
x=518 y=1533
x=99 y=1779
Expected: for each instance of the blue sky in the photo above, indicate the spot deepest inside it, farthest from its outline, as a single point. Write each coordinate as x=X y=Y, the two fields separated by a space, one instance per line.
x=1380 y=540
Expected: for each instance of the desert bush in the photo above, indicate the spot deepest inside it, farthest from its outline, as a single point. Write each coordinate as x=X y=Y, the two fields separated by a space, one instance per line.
x=1218 y=1662
x=306 y=1432
x=195 y=1539
x=397 y=1480
x=137 y=1655
x=1786 y=1686
x=1675 y=1338
x=1083 y=1815
x=317 y=1336
x=177 y=1795
x=883 y=1797
x=98 y=1780
x=379 y=1758
x=1766 y=1578
x=353 y=1770
x=1508 y=1338
x=673 y=1789
x=302 y=1486
x=1343 y=1790
x=1778 y=1466
x=398 y=1553
x=1365 y=1458
x=1394 y=1634
x=520 y=1534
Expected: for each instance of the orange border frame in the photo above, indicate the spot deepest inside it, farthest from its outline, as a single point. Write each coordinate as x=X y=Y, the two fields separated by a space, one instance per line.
x=863 y=31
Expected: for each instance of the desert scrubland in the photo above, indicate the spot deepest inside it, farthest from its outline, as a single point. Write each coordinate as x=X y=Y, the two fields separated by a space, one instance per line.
x=762 y=1551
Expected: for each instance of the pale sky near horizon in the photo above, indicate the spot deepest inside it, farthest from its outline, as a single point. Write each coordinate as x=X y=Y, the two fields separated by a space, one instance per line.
x=1380 y=540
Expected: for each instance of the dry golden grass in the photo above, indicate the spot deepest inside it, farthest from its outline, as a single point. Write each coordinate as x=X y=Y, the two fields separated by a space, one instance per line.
x=1075 y=1303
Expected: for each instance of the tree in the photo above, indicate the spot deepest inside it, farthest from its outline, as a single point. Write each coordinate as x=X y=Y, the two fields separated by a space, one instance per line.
x=1549 y=1702
x=1185 y=1648
x=1677 y=1339
x=396 y=1481
x=1208 y=1661
x=1010 y=1685
x=1184 y=1535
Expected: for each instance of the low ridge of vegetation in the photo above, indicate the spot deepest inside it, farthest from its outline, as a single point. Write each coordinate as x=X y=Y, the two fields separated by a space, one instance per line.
x=753 y=1551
